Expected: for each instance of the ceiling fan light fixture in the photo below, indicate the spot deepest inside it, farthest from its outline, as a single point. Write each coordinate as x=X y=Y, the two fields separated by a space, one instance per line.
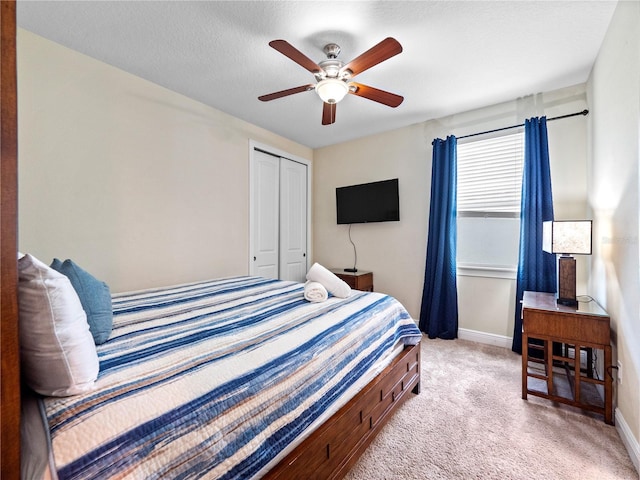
x=332 y=90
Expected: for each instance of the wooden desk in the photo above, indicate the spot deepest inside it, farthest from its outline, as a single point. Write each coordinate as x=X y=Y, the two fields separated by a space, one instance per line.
x=360 y=280
x=584 y=327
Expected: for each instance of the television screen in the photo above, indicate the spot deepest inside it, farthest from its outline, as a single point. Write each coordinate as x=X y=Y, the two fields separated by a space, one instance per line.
x=368 y=202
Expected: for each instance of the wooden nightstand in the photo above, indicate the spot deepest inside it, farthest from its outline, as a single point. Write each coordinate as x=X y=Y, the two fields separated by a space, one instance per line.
x=359 y=280
x=558 y=377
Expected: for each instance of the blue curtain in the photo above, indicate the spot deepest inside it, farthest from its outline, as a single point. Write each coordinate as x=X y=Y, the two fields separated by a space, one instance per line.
x=439 y=310
x=536 y=268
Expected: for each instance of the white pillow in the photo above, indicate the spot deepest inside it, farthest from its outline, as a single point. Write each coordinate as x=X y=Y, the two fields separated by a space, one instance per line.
x=330 y=281
x=58 y=355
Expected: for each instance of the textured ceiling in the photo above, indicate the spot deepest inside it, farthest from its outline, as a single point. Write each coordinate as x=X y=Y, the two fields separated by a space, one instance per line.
x=457 y=55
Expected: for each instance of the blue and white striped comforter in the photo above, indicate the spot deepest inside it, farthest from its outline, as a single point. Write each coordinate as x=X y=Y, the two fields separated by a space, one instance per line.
x=213 y=379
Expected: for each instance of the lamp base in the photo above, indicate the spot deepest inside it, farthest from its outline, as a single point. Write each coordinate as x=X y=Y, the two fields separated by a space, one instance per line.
x=567 y=302
x=567 y=281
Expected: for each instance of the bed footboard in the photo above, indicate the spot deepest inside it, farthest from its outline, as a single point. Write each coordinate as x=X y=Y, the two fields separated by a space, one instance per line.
x=330 y=451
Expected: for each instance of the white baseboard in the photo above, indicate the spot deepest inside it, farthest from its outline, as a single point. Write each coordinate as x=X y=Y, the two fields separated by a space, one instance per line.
x=482 y=337
x=630 y=442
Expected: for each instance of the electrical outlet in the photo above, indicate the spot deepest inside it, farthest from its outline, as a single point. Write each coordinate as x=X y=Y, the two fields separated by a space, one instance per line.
x=619 y=372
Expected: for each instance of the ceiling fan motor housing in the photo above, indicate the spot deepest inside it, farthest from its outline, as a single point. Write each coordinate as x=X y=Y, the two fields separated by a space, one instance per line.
x=331 y=68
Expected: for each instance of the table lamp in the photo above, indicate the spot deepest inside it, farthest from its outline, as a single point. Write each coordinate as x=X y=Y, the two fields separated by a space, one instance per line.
x=567 y=238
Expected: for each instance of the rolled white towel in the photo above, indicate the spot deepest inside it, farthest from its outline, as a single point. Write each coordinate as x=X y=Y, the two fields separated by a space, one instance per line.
x=337 y=287
x=315 y=292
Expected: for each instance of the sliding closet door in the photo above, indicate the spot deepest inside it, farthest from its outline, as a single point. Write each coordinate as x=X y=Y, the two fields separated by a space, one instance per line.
x=279 y=211
x=293 y=220
x=265 y=210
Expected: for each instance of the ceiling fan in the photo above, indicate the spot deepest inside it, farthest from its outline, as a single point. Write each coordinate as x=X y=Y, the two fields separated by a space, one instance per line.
x=334 y=77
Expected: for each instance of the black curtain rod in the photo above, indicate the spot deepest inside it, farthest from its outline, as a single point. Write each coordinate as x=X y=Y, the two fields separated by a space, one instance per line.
x=583 y=112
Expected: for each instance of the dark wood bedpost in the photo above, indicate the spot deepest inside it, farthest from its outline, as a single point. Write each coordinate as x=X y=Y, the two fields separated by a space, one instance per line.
x=9 y=348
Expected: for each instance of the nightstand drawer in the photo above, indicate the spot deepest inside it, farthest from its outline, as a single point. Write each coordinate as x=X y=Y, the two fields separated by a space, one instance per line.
x=358 y=280
x=349 y=279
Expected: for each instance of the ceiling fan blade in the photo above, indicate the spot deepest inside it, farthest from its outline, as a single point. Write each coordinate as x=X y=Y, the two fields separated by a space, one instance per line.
x=284 y=93
x=296 y=55
x=328 y=113
x=380 y=96
x=384 y=50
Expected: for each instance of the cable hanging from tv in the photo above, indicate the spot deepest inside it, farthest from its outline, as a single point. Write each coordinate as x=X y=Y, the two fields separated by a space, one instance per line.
x=355 y=254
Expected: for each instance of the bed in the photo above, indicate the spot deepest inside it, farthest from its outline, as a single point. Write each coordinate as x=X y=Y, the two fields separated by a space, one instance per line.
x=238 y=377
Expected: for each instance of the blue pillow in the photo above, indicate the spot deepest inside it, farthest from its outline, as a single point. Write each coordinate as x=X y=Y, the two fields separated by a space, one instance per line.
x=95 y=298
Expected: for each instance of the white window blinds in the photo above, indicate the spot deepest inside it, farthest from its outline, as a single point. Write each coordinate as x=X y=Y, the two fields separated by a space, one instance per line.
x=490 y=176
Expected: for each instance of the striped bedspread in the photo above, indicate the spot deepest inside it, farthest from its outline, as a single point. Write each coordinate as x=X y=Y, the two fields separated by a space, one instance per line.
x=214 y=379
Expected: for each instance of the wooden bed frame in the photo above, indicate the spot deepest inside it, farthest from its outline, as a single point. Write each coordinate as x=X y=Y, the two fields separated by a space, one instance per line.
x=9 y=347
x=328 y=453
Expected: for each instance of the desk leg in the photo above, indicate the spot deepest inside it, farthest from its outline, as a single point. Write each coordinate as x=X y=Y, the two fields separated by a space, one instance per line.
x=608 y=387
x=525 y=364
x=577 y=372
x=548 y=358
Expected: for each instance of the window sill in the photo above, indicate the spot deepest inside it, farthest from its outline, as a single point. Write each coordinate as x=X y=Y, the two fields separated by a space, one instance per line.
x=487 y=271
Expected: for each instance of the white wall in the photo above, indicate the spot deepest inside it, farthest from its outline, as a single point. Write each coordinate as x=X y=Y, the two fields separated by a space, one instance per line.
x=396 y=251
x=614 y=156
x=141 y=186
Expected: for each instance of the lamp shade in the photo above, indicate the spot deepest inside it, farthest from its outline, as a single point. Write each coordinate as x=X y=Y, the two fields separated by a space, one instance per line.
x=332 y=90
x=567 y=237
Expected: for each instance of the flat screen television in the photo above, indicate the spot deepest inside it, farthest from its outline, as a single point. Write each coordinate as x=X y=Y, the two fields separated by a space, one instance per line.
x=368 y=202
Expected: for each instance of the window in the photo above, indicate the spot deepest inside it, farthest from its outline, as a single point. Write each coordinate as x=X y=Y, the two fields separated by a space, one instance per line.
x=489 y=185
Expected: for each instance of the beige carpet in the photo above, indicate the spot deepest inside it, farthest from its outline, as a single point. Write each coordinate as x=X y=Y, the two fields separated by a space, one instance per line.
x=470 y=422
